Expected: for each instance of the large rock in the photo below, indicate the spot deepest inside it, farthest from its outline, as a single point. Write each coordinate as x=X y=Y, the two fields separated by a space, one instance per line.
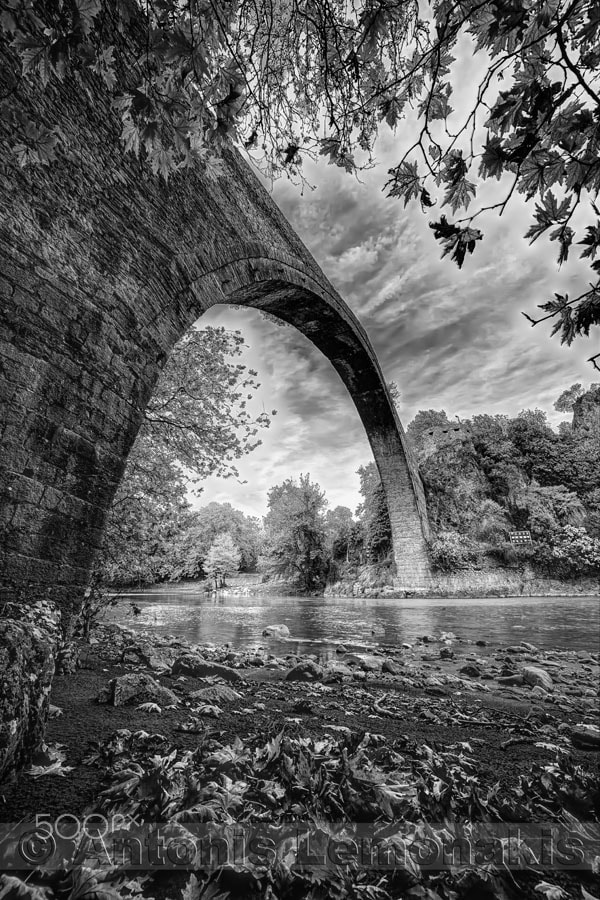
x=278 y=631
x=197 y=667
x=306 y=670
x=391 y=667
x=533 y=675
x=470 y=670
x=215 y=694
x=586 y=737
x=138 y=687
x=26 y=670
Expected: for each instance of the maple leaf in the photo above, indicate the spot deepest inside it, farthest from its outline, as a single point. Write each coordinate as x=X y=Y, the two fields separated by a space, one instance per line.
x=130 y=136
x=87 y=11
x=548 y=214
x=457 y=241
x=591 y=240
x=162 y=162
x=405 y=182
x=493 y=159
x=30 y=49
x=459 y=194
x=564 y=234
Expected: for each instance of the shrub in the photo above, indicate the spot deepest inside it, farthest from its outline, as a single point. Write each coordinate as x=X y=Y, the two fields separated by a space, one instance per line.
x=577 y=550
x=451 y=552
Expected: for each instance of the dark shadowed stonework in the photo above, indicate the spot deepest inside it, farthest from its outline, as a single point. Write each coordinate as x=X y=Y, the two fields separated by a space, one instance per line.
x=103 y=269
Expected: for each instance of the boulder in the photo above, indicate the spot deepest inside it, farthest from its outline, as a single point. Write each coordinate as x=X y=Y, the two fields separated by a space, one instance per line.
x=278 y=631
x=531 y=648
x=446 y=653
x=138 y=687
x=306 y=670
x=215 y=694
x=197 y=667
x=534 y=675
x=470 y=670
x=586 y=737
x=391 y=667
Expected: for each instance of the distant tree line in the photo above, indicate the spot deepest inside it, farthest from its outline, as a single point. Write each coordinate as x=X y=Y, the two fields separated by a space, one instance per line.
x=484 y=477
x=492 y=474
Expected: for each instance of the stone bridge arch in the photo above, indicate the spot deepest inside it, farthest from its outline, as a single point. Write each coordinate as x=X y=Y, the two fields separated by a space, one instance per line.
x=278 y=285
x=103 y=268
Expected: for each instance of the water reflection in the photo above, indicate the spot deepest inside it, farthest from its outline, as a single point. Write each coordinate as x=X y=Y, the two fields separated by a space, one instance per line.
x=320 y=624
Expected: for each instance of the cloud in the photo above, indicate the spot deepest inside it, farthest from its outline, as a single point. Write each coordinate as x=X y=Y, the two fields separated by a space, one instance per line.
x=450 y=338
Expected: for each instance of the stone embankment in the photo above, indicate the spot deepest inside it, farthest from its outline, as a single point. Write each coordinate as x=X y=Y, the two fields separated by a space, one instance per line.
x=376 y=581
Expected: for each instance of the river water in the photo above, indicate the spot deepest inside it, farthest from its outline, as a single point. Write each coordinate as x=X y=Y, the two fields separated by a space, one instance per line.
x=319 y=624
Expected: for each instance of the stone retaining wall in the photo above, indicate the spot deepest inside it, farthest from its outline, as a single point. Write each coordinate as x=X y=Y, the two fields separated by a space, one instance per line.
x=373 y=581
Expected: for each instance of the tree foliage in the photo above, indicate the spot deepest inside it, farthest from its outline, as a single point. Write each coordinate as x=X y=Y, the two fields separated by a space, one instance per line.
x=207 y=522
x=223 y=559
x=196 y=424
x=568 y=397
x=502 y=474
x=295 y=533
x=304 y=77
x=373 y=515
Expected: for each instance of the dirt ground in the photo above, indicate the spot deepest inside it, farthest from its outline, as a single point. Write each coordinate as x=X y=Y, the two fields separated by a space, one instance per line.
x=437 y=715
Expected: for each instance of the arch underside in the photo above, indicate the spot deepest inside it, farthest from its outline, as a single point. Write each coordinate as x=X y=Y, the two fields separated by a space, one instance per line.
x=323 y=317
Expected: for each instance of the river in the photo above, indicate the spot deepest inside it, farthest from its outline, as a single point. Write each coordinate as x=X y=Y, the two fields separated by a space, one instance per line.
x=319 y=624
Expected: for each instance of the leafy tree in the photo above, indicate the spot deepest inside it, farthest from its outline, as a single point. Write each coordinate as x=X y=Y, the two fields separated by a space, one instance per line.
x=222 y=559
x=568 y=397
x=550 y=508
x=373 y=514
x=196 y=424
x=535 y=417
x=205 y=524
x=185 y=78
x=339 y=524
x=578 y=551
x=295 y=531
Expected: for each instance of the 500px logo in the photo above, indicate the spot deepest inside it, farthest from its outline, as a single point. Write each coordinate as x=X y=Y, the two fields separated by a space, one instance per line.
x=48 y=840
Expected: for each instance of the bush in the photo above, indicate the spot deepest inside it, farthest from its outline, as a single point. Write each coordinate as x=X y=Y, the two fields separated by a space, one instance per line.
x=577 y=550
x=452 y=552
x=508 y=554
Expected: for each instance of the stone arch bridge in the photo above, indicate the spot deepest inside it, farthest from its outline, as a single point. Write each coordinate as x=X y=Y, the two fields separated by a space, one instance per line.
x=103 y=268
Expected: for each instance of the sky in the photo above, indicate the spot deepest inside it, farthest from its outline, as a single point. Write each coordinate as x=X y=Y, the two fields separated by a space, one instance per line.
x=450 y=339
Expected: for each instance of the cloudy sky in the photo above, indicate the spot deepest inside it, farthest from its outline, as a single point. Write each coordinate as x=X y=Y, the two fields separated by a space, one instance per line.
x=451 y=339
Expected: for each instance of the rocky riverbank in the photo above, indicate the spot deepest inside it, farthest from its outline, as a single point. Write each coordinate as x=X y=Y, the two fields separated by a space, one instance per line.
x=502 y=734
